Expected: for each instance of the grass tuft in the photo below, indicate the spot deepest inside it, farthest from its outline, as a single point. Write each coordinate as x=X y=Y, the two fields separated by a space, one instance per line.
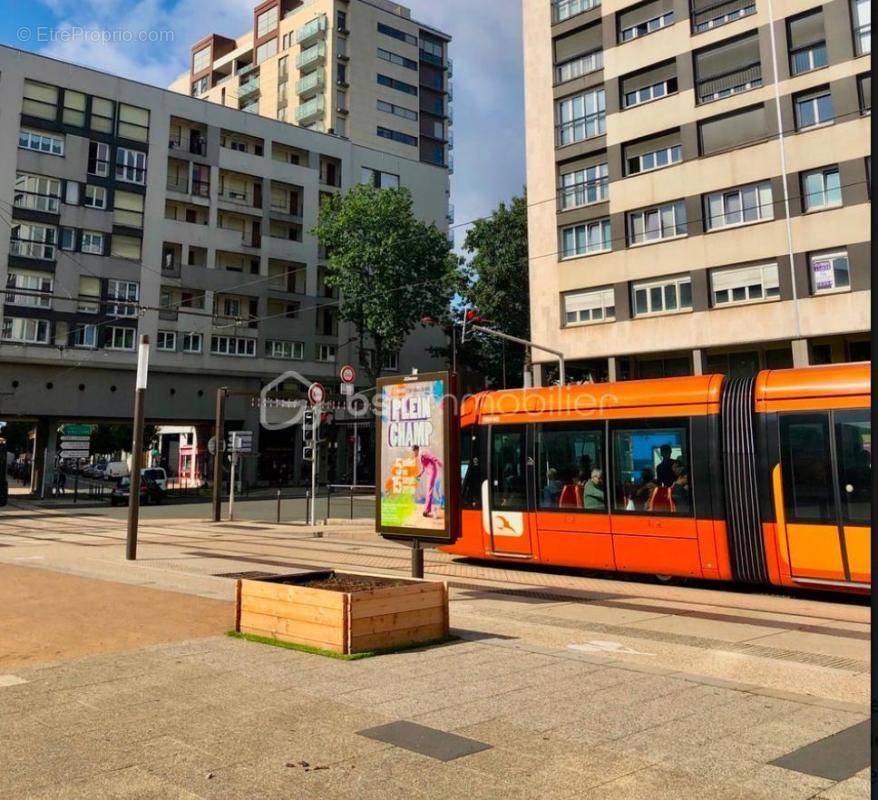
x=317 y=651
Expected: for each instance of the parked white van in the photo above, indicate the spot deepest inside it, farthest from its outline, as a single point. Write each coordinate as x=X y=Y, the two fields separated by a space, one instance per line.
x=116 y=469
x=156 y=474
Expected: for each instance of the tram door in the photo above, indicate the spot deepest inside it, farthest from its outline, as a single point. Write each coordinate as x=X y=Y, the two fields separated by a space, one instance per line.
x=826 y=464
x=507 y=489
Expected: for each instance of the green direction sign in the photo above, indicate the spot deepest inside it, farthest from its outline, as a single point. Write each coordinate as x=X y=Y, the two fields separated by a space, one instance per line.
x=76 y=430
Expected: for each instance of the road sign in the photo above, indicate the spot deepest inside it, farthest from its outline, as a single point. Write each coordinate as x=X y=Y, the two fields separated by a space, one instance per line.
x=316 y=394
x=74 y=446
x=76 y=430
x=211 y=445
x=347 y=374
x=241 y=441
x=347 y=389
x=73 y=454
x=76 y=438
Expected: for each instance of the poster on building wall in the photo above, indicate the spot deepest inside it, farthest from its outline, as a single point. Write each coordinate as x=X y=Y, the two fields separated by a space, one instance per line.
x=416 y=478
x=823 y=274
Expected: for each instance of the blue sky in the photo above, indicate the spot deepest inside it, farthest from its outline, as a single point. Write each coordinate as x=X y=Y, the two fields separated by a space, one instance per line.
x=488 y=93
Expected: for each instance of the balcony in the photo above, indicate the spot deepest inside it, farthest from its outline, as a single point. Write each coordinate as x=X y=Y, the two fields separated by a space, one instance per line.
x=311 y=31
x=863 y=39
x=706 y=16
x=168 y=314
x=565 y=9
x=312 y=56
x=31 y=248
x=50 y=204
x=736 y=81
x=311 y=110
x=195 y=143
x=178 y=183
x=248 y=88
x=311 y=84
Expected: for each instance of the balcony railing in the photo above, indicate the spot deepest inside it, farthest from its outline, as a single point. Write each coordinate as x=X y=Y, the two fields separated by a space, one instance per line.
x=863 y=39
x=716 y=14
x=311 y=30
x=313 y=55
x=313 y=108
x=51 y=204
x=248 y=87
x=28 y=297
x=196 y=145
x=31 y=248
x=564 y=9
x=236 y=196
x=310 y=83
x=200 y=188
x=728 y=83
x=178 y=183
x=583 y=193
x=581 y=128
x=169 y=314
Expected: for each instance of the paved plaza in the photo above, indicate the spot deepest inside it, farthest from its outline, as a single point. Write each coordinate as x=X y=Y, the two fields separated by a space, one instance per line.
x=117 y=679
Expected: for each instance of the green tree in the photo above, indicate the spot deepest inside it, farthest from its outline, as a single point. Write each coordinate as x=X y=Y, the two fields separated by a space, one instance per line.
x=389 y=268
x=495 y=281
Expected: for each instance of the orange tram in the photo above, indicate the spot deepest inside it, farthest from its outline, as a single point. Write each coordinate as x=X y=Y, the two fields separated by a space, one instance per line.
x=763 y=480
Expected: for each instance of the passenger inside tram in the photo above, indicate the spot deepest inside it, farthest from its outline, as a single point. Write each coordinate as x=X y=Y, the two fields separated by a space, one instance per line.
x=594 y=497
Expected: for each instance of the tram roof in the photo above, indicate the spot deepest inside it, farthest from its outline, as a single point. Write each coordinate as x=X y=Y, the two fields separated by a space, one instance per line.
x=820 y=387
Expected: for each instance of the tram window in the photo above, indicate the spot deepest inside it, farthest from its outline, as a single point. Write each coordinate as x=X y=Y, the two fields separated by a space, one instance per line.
x=508 y=483
x=807 y=467
x=853 y=438
x=651 y=470
x=470 y=469
x=571 y=468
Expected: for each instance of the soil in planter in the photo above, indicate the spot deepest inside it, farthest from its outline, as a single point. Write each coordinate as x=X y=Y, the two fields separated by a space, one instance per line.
x=340 y=582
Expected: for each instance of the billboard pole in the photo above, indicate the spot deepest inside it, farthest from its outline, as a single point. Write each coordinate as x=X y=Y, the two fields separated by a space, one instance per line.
x=417 y=559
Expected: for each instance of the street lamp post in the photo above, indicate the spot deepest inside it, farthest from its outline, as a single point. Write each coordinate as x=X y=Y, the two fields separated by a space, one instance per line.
x=137 y=448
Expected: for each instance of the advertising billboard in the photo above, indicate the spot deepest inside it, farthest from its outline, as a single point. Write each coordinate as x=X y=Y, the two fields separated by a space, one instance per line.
x=417 y=481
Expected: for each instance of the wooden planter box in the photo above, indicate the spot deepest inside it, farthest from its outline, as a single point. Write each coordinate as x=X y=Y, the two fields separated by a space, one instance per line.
x=343 y=622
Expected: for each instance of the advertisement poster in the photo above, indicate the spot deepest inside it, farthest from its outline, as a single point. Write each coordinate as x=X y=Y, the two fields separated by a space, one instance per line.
x=822 y=271
x=414 y=457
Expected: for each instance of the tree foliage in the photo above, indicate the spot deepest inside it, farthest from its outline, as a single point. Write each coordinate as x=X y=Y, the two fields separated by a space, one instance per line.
x=390 y=269
x=495 y=281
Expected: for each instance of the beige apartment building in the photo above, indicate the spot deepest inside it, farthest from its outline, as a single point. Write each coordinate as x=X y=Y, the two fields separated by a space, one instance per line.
x=363 y=69
x=699 y=178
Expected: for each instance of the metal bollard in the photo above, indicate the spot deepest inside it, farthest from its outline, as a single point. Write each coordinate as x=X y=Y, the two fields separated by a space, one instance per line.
x=278 y=506
x=307 y=506
x=352 y=503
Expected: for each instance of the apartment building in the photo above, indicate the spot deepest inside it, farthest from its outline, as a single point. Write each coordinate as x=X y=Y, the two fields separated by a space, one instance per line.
x=363 y=69
x=699 y=174
x=130 y=209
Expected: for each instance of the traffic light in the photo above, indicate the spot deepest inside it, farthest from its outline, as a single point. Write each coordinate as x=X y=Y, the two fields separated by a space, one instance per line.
x=308 y=426
x=307 y=453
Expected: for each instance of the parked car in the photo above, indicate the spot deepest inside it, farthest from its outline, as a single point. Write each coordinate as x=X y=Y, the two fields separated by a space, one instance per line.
x=156 y=474
x=98 y=472
x=116 y=469
x=150 y=492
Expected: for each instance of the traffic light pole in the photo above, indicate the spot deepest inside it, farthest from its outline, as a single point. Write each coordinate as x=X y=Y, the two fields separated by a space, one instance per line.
x=137 y=449
x=315 y=423
x=219 y=437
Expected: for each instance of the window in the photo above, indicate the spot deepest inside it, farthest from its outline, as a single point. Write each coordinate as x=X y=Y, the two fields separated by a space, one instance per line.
x=830 y=272
x=739 y=128
x=663 y=296
x=821 y=188
x=742 y=205
x=41 y=142
x=807 y=467
x=400 y=86
x=814 y=108
x=28 y=289
x=729 y=68
x=92 y=242
x=266 y=51
x=133 y=123
x=95 y=197
x=399 y=111
x=37 y=192
x=651 y=92
x=290 y=351
x=25 y=331
x=68 y=238
x=571 y=468
x=128 y=209
x=564 y=9
x=31 y=240
x=864 y=89
x=433 y=50
x=861 y=14
x=266 y=22
x=853 y=436
x=708 y=14
x=394 y=58
x=130 y=166
x=40 y=100
x=584 y=187
x=470 y=469
x=652 y=469
x=391 y=362
x=73 y=112
x=166 y=340
x=341 y=21
x=397 y=34
x=71 y=193
x=508 y=479
x=379 y=179
x=233 y=346
x=85 y=336
x=127 y=247
x=807 y=42
x=581 y=117
x=101 y=115
x=88 y=300
x=580 y=65
x=201 y=86
x=596 y=305
x=744 y=284
x=120 y=338
x=629 y=30
x=201 y=60
x=98 y=159
x=652 y=224
x=585 y=239
x=326 y=352
x=192 y=342
x=654 y=159
x=127 y=294
x=397 y=136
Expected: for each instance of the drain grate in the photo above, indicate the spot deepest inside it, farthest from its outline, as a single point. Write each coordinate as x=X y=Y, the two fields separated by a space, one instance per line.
x=252 y=576
x=441 y=745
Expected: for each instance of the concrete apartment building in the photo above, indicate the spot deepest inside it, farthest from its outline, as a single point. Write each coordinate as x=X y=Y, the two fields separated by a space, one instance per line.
x=130 y=209
x=357 y=68
x=699 y=178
